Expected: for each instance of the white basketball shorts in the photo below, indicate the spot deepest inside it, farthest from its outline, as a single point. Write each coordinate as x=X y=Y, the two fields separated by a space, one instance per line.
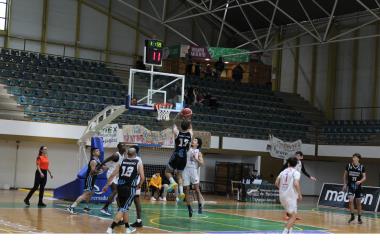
x=289 y=203
x=190 y=176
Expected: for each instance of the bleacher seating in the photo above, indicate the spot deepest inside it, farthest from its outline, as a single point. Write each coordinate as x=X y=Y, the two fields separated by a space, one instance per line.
x=247 y=111
x=66 y=90
x=350 y=131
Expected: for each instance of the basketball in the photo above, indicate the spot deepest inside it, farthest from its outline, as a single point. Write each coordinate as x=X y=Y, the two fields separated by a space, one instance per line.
x=186 y=113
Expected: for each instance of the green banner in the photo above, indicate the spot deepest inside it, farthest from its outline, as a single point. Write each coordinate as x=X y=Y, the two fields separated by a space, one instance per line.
x=174 y=51
x=216 y=52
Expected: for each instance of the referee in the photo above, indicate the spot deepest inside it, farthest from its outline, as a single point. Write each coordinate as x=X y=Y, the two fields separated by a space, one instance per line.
x=40 y=177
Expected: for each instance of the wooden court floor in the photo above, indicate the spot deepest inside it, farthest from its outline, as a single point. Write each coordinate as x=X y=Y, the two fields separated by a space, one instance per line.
x=220 y=216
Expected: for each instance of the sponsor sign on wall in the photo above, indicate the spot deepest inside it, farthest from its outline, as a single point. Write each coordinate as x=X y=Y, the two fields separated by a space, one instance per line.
x=332 y=195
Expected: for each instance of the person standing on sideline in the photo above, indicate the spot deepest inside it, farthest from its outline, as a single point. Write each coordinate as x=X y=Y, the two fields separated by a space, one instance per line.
x=288 y=182
x=40 y=177
x=354 y=176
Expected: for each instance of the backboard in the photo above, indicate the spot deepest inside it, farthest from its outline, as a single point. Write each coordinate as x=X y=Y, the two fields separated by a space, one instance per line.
x=147 y=88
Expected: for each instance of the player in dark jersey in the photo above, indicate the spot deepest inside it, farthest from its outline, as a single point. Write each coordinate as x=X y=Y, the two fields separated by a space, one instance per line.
x=136 y=200
x=178 y=159
x=354 y=176
x=129 y=172
x=300 y=166
x=93 y=169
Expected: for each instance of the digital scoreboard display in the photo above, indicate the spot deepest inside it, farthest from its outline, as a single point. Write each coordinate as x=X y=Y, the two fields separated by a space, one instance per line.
x=153 y=52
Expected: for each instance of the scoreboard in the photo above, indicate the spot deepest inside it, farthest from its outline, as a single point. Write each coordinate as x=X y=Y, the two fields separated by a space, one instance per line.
x=153 y=52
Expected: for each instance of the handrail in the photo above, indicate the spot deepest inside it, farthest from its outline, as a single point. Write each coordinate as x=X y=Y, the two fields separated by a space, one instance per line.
x=362 y=109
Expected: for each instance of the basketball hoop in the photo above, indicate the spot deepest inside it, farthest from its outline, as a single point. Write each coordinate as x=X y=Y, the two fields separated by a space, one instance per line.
x=163 y=111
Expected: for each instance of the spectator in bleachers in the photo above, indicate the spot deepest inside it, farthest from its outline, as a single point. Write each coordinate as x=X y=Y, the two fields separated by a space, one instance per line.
x=199 y=96
x=208 y=72
x=155 y=185
x=237 y=73
x=197 y=70
x=190 y=96
x=219 y=67
x=189 y=63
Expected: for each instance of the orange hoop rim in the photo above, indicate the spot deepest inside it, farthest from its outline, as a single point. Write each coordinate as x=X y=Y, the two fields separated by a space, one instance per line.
x=166 y=105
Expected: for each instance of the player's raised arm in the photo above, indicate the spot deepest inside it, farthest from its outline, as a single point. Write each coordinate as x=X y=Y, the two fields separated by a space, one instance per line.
x=114 y=157
x=175 y=130
x=191 y=130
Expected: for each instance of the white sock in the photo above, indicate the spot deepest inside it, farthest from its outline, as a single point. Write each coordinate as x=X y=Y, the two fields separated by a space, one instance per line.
x=285 y=231
x=181 y=189
x=74 y=204
x=290 y=230
x=138 y=220
x=171 y=180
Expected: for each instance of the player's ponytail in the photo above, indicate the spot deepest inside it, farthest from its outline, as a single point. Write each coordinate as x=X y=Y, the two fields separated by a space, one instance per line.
x=199 y=142
x=40 y=151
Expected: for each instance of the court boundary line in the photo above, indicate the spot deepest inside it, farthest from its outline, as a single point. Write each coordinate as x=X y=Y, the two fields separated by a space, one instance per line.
x=227 y=225
x=320 y=212
x=104 y=218
x=260 y=218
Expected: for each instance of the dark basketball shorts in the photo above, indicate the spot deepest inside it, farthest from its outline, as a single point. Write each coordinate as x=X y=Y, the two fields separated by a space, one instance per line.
x=177 y=161
x=125 y=196
x=354 y=190
x=89 y=183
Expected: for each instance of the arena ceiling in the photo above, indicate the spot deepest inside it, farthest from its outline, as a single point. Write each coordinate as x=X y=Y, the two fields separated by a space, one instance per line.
x=257 y=22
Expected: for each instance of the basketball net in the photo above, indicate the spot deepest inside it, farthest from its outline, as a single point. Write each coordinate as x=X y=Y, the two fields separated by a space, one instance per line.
x=163 y=111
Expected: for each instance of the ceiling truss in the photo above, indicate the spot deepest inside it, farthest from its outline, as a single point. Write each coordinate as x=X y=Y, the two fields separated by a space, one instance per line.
x=261 y=39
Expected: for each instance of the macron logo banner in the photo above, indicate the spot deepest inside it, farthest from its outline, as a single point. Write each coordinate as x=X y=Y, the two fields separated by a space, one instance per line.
x=332 y=195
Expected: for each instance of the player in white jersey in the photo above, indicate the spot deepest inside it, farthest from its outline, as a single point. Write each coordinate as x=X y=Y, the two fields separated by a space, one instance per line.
x=115 y=159
x=288 y=183
x=190 y=174
x=300 y=167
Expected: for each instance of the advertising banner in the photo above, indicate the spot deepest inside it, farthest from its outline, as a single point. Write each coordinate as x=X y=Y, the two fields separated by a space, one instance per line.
x=332 y=195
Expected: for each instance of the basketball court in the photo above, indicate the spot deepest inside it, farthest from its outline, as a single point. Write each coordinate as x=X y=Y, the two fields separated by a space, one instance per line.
x=220 y=215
